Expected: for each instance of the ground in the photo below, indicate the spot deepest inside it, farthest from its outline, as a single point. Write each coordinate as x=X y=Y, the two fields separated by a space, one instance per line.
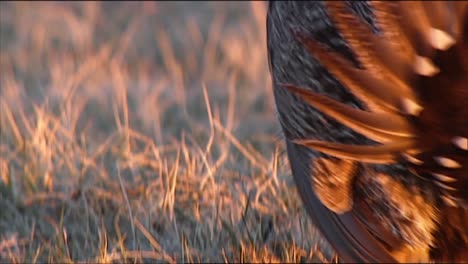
x=143 y=131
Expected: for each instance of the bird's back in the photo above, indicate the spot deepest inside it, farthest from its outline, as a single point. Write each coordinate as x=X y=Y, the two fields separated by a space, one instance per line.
x=354 y=74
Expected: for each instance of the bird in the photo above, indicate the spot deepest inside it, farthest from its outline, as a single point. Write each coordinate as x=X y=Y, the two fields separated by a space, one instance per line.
x=372 y=100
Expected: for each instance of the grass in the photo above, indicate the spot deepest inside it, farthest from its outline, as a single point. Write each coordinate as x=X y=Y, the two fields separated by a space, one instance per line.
x=143 y=132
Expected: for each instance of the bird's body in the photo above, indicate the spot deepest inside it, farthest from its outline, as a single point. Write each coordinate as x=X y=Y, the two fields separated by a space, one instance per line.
x=376 y=135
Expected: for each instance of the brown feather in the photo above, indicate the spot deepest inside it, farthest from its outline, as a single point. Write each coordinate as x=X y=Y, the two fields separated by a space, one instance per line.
x=441 y=17
x=387 y=20
x=415 y=25
x=373 y=51
x=382 y=127
x=378 y=94
x=328 y=178
x=382 y=154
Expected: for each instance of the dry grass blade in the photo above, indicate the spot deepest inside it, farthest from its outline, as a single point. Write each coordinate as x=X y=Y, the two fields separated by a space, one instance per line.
x=127 y=203
x=153 y=241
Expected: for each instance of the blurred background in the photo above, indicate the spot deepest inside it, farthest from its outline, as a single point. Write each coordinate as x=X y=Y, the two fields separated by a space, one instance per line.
x=143 y=131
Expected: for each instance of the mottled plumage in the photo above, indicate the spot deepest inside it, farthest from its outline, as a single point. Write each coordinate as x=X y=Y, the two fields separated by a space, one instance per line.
x=373 y=99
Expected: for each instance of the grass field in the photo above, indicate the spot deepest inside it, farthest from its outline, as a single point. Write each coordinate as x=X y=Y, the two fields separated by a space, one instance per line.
x=143 y=131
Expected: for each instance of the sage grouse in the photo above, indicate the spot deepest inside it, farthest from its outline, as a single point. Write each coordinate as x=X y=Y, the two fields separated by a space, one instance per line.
x=372 y=98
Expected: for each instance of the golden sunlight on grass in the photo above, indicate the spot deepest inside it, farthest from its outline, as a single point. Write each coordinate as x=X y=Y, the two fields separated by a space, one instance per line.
x=143 y=131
